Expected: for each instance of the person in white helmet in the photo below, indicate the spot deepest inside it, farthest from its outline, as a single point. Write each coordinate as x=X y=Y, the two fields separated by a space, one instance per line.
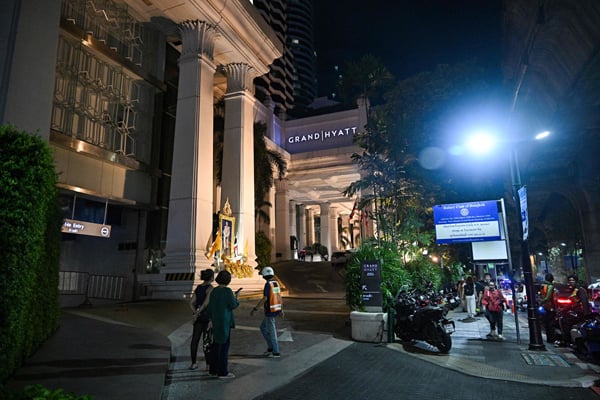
x=273 y=307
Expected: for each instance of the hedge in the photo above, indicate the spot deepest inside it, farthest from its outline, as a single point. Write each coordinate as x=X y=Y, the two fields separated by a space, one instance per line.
x=30 y=222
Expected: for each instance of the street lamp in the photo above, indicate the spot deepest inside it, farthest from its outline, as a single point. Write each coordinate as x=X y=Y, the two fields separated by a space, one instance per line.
x=535 y=333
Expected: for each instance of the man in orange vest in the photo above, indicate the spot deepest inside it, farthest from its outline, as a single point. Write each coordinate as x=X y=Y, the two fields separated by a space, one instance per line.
x=547 y=300
x=273 y=307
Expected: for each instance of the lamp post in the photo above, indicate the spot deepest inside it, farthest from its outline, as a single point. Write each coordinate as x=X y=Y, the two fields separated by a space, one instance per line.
x=536 y=342
x=483 y=143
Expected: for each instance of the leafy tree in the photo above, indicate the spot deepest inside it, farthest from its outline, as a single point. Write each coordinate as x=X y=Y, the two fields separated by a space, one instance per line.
x=366 y=78
x=266 y=161
x=263 y=250
x=395 y=188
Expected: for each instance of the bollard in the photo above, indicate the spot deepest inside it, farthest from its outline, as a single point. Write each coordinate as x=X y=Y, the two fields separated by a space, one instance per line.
x=390 y=322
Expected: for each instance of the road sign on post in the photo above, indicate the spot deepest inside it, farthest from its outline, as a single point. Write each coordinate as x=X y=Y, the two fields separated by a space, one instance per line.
x=524 y=217
x=466 y=222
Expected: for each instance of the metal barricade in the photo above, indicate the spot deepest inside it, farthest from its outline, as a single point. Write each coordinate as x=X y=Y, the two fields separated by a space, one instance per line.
x=106 y=287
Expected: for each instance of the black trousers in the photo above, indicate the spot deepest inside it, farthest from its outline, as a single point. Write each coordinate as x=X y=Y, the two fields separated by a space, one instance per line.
x=550 y=326
x=200 y=329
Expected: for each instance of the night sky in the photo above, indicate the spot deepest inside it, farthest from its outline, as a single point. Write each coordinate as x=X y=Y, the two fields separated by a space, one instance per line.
x=409 y=36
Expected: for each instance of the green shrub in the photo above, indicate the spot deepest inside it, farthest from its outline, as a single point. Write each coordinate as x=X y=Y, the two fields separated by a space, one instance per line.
x=393 y=274
x=263 y=248
x=424 y=273
x=29 y=238
x=39 y=392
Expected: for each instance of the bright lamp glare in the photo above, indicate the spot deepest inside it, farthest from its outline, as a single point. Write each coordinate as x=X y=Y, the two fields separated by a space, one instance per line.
x=542 y=135
x=481 y=143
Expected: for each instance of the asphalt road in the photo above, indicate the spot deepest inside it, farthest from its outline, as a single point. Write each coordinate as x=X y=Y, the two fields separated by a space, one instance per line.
x=368 y=371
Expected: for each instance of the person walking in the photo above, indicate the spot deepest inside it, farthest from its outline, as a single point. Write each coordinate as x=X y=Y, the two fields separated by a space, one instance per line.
x=273 y=307
x=547 y=301
x=220 y=310
x=470 y=295
x=201 y=319
x=481 y=287
x=494 y=301
x=460 y=288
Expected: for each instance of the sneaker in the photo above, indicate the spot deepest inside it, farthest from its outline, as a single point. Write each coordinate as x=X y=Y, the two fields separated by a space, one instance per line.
x=194 y=366
x=500 y=337
x=228 y=376
x=268 y=353
x=490 y=335
x=274 y=355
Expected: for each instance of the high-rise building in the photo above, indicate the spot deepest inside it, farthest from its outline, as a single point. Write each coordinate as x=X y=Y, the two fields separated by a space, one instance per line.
x=300 y=41
x=277 y=84
x=291 y=82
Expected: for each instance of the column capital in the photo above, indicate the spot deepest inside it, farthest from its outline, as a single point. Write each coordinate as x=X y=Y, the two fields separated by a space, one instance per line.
x=281 y=185
x=240 y=77
x=198 y=38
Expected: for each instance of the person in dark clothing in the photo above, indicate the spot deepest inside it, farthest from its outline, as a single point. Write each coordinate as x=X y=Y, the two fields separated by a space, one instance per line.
x=220 y=309
x=581 y=307
x=201 y=320
x=547 y=301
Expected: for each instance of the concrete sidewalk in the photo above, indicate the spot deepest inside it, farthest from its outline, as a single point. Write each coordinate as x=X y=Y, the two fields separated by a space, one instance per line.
x=474 y=354
x=141 y=351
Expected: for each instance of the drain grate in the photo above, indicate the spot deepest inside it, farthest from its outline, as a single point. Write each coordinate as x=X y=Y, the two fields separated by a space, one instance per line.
x=550 y=360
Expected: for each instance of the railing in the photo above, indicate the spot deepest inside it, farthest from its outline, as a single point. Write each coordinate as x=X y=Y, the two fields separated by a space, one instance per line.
x=107 y=287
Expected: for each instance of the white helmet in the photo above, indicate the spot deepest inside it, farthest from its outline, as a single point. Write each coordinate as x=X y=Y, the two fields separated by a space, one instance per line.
x=267 y=271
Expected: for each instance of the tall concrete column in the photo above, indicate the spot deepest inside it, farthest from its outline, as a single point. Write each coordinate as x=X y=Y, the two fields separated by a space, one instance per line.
x=29 y=35
x=302 y=236
x=293 y=230
x=325 y=231
x=282 y=220
x=333 y=230
x=271 y=225
x=310 y=225
x=191 y=198
x=237 y=184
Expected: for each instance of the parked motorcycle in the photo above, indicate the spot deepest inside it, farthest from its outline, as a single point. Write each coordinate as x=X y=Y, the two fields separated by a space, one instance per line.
x=586 y=336
x=419 y=319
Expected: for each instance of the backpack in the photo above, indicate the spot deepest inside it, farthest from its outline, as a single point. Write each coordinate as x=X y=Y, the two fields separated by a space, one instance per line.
x=469 y=289
x=200 y=293
x=274 y=303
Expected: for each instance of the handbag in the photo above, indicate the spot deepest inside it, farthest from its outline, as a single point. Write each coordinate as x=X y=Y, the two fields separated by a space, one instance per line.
x=207 y=341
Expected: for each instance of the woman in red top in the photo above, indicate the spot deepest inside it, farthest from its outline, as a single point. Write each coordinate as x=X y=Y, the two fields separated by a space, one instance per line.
x=494 y=302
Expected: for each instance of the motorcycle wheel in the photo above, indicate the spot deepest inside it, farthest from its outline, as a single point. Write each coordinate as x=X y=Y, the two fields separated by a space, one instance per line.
x=443 y=340
x=445 y=344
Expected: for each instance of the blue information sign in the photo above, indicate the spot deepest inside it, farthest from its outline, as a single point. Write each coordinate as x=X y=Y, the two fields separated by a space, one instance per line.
x=466 y=222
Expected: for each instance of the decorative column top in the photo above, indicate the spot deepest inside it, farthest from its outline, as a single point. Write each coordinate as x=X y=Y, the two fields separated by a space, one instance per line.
x=240 y=77
x=198 y=38
x=281 y=185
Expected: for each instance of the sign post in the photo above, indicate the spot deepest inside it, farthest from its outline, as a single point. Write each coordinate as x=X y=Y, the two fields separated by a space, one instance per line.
x=370 y=283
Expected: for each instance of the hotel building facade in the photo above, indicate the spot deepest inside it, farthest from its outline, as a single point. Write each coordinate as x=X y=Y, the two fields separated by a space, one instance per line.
x=128 y=95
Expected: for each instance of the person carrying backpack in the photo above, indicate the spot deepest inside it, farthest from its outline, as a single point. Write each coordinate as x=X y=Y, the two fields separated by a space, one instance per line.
x=273 y=307
x=201 y=318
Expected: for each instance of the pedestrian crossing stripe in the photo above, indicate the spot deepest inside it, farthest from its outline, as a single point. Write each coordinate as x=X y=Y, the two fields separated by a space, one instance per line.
x=552 y=360
x=180 y=276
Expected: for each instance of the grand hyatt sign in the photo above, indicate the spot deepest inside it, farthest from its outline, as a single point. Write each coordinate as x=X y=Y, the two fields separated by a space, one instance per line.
x=320 y=140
